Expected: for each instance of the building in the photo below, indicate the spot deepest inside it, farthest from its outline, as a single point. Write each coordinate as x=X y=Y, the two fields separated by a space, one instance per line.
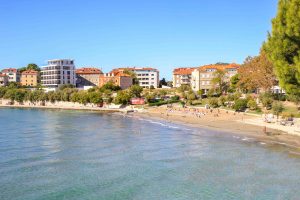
x=146 y=76
x=88 y=77
x=182 y=76
x=202 y=76
x=13 y=74
x=29 y=78
x=117 y=78
x=58 y=72
x=3 y=80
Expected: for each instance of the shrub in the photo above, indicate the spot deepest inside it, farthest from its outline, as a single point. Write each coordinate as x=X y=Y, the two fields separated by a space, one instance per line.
x=252 y=105
x=277 y=108
x=240 y=104
x=213 y=102
x=222 y=100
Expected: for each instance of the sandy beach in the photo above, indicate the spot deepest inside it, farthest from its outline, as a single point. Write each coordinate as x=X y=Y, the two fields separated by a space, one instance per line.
x=226 y=121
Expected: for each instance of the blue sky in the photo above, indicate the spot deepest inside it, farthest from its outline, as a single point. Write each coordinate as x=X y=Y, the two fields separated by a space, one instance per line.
x=117 y=33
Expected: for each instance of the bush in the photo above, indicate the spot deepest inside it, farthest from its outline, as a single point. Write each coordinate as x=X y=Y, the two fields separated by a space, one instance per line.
x=160 y=103
x=240 y=104
x=252 y=105
x=277 y=108
x=213 y=102
x=267 y=100
x=175 y=98
x=222 y=100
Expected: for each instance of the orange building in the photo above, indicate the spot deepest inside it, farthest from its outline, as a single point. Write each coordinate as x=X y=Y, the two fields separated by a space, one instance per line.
x=29 y=78
x=87 y=76
x=117 y=78
x=182 y=76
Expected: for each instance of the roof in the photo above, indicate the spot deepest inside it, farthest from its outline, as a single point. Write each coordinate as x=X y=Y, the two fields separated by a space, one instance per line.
x=135 y=69
x=184 y=71
x=115 y=74
x=2 y=75
x=30 y=72
x=88 y=70
x=219 y=67
x=8 y=70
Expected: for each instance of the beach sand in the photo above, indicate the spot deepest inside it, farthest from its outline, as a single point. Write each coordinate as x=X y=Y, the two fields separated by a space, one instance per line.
x=225 y=121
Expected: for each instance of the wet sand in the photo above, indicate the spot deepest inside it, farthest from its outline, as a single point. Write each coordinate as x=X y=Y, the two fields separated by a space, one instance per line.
x=228 y=122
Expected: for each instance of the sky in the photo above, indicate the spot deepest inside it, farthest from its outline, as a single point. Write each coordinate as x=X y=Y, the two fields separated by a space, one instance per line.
x=117 y=33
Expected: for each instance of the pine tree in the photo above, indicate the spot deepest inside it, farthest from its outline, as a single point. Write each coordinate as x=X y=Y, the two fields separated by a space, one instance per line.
x=283 y=45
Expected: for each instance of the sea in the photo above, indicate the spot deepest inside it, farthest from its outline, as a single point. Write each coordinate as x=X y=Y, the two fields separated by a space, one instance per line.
x=61 y=154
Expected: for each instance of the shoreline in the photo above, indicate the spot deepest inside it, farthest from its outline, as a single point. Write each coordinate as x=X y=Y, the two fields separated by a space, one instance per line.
x=228 y=126
x=109 y=110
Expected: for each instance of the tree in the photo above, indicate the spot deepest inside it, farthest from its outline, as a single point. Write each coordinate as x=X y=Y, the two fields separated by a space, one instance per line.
x=135 y=90
x=162 y=82
x=32 y=66
x=277 y=108
x=234 y=80
x=256 y=72
x=219 y=81
x=283 y=45
x=132 y=74
x=62 y=87
x=123 y=97
x=95 y=97
x=240 y=104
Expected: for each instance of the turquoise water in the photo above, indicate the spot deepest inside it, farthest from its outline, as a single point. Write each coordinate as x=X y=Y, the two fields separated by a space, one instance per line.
x=47 y=154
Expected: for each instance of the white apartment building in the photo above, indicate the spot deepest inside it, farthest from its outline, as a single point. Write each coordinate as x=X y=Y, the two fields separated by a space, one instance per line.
x=58 y=72
x=12 y=73
x=146 y=76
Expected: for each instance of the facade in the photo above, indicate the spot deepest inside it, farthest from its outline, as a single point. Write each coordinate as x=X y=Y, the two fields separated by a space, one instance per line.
x=58 y=72
x=13 y=74
x=146 y=76
x=117 y=78
x=202 y=77
x=3 y=80
x=29 y=78
x=182 y=76
x=88 y=77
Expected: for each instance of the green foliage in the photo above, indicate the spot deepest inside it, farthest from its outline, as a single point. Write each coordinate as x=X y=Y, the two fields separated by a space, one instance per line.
x=252 y=105
x=175 y=98
x=277 y=108
x=240 y=104
x=123 y=97
x=184 y=88
x=191 y=96
x=220 y=82
x=213 y=102
x=234 y=80
x=62 y=87
x=283 y=47
x=95 y=97
x=109 y=86
x=135 y=91
x=266 y=100
x=160 y=103
x=222 y=100
x=162 y=82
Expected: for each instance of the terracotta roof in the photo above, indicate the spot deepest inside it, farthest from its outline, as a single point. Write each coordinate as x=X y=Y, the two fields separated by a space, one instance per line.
x=8 y=70
x=2 y=75
x=29 y=72
x=183 y=71
x=134 y=68
x=88 y=70
x=219 y=67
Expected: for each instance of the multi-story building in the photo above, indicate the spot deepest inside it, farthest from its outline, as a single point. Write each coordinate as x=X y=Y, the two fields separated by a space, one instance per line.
x=202 y=76
x=146 y=76
x=88 y=76
x=58 y=72
x=13 y=74
x=117 y=78
x=182 y=76
x=3 y=80
x=29 y=78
